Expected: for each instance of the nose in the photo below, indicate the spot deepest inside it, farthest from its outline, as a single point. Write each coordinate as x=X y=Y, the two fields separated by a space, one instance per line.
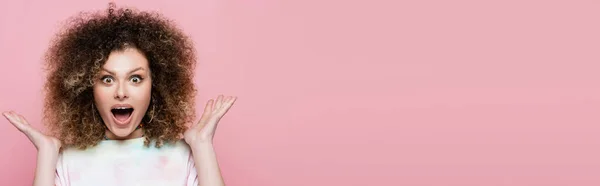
x=121 y=92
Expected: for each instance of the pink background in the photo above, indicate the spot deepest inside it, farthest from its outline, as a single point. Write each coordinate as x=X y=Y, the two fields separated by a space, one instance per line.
x=335 y=92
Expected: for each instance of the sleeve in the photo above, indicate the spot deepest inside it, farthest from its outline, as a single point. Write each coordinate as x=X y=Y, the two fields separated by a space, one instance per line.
x=60 y=175
x=192 y=177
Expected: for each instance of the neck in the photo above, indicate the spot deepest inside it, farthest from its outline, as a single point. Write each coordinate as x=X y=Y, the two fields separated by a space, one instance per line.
x=137 y=133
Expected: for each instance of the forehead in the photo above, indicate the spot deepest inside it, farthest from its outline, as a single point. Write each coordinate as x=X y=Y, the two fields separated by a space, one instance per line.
x=125 y=60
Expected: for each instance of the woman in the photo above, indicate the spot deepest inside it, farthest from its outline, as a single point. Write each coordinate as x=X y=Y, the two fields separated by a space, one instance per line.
x=119 y=95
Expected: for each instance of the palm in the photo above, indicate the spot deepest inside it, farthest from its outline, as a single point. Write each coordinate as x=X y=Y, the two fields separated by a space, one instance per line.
x=204 y=130
x=39 y=140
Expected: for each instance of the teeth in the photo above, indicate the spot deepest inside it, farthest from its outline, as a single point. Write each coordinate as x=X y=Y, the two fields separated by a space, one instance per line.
x=121 y=108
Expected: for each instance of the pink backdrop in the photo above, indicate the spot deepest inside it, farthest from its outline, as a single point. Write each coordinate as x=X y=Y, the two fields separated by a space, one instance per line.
x=335 y=92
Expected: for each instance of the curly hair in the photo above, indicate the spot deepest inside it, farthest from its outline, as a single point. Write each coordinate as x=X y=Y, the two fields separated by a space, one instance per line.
x=78 y=52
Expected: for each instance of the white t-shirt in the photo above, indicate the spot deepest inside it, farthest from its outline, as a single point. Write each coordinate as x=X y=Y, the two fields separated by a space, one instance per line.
x=127 y=162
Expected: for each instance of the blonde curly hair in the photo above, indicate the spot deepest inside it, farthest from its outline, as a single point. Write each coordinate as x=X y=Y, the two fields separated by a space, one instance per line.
x=78 y=52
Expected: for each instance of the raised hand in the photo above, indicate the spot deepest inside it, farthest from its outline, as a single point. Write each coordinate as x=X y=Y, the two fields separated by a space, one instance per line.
x=41 y=141
x=204 y=130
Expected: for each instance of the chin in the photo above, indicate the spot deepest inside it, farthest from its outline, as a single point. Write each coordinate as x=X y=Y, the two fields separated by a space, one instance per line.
x=122 y=132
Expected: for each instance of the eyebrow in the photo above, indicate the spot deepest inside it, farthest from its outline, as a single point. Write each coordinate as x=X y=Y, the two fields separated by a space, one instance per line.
x=132 y=71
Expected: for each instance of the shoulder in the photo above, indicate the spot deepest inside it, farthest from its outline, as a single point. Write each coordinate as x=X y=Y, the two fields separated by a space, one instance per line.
x=179 y=146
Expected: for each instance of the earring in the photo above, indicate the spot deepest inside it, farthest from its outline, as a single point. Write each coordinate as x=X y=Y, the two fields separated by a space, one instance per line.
x=152 y=111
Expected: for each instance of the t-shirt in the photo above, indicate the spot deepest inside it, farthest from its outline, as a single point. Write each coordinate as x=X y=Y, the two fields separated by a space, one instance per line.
x=127 y=162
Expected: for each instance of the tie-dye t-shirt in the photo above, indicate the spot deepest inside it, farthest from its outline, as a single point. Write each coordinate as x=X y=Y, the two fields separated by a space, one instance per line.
x=127 y=162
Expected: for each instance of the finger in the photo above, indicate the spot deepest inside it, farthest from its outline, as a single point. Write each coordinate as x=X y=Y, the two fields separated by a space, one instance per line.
x=15 y=116
x=223 y=102
x=15 y=122
x=18 y=117
x=226 y=106
x=8 y=116
x=219 y=102
x=228 y=99
x=207 y=111
x=23 y=120
x=12 y=117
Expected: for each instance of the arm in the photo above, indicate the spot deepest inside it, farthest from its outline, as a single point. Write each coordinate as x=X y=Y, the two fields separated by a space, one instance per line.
x=200 y=139
x=45 y=167
x=207 y=167
x=47 y=147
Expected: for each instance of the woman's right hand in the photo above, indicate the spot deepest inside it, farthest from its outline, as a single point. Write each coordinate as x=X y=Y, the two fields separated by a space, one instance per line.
x=41 y=141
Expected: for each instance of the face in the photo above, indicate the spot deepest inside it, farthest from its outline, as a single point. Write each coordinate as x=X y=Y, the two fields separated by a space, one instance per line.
x=122 y=92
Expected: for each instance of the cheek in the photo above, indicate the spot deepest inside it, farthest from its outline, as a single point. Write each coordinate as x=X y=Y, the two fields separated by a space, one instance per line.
x=142 y=93
x=101 y=95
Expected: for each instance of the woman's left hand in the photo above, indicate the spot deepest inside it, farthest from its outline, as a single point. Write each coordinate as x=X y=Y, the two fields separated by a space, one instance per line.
x=204 y=131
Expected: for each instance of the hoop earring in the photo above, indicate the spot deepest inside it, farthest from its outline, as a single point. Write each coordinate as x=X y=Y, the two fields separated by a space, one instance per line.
x=153 y=112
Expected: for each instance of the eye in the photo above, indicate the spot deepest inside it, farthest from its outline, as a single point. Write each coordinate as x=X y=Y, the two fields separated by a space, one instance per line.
x=107 y=79
x=136 y=79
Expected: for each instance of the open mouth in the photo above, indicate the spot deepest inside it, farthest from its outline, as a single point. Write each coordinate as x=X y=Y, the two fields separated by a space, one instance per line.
x=122 y=115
